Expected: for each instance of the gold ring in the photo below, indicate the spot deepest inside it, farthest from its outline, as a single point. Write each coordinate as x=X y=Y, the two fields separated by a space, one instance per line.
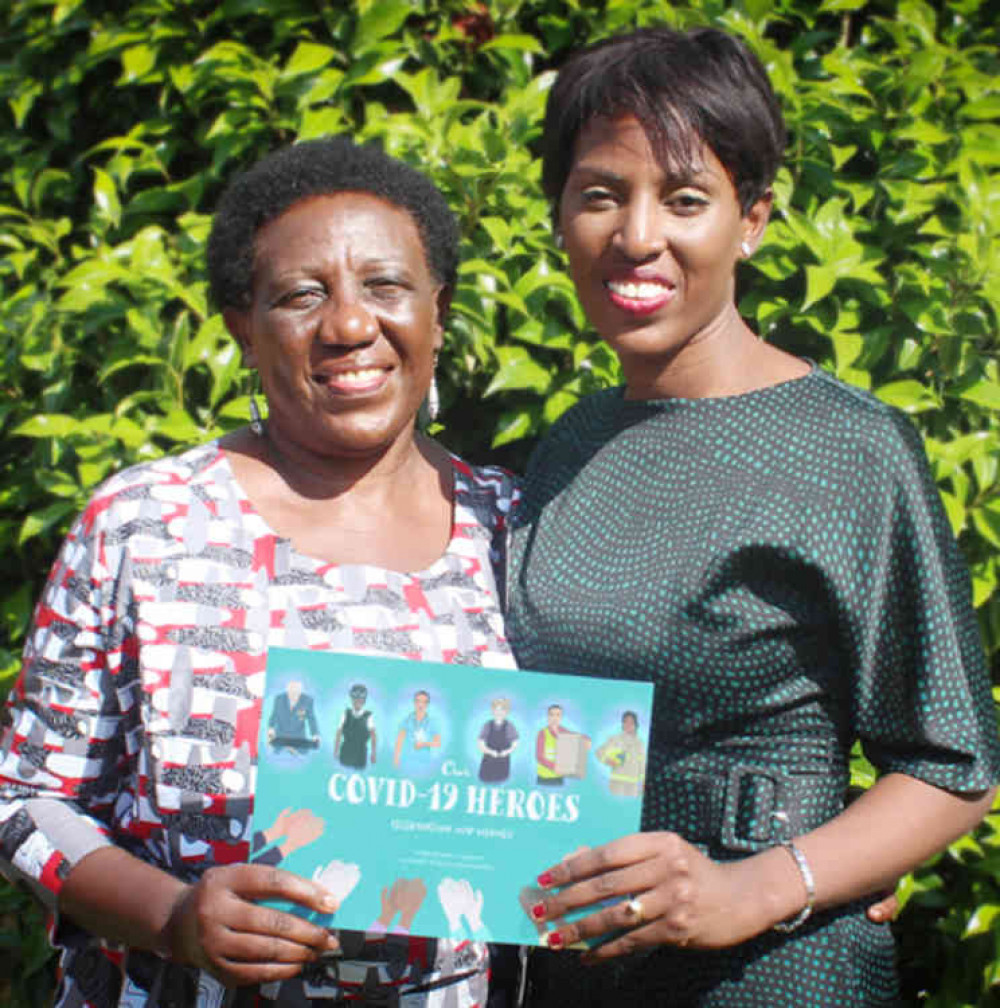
x=634 y=909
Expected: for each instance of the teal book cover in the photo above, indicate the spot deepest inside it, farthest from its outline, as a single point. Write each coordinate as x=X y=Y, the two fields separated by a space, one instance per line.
x=428 y=797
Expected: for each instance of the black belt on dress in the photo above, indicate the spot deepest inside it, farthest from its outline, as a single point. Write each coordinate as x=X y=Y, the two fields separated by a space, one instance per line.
x=744 y=807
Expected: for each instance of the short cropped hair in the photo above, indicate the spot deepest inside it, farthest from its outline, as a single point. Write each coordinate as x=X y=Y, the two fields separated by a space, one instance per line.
x=685 y=88
x=320 y=168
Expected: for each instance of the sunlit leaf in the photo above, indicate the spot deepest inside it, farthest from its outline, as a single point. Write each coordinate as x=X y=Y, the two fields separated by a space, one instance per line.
x=307 y=58
x=517 y=370
x=106 y=197
x=380 y=19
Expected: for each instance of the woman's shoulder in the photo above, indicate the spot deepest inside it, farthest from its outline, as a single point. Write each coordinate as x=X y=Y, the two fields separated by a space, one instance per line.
x=488 y=492
x=484 y=480
x=859 y=419
x=137 y=482
x=589 y=422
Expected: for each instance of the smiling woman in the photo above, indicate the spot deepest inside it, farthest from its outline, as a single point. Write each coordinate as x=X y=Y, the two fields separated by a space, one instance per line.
x=126 y=779
x=344 y=324
x=764 y=544
x=343 y=328
x=620 y=212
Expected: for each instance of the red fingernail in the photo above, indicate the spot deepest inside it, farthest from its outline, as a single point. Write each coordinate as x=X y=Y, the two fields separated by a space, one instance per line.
x=538 y=911
x=545 y=879
x=555 y=940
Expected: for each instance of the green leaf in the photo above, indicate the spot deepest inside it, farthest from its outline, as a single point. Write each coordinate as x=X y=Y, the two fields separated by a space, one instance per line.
x=984 y=584
x=925 y=132
x=22 y=103
x=986 y=108
x=379 y=20
x=520 y=43
x=987 y=521
x=983 y=393
x=820 y=281
x=909 y=396
x=137 y=61
x=512 y=425
x=955 y=510
x=307 y=58
x=517 y=370
x=106 y=197
x=48 y=425
x=41 y=521
x=316 y=123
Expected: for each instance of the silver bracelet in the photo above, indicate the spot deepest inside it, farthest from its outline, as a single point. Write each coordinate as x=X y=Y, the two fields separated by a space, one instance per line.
x=810 y=883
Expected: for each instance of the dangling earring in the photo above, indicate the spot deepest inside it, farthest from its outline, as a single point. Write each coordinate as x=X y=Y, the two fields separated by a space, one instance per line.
x=256 y=421
x=433 y=399
x=745 y=248
x=560 y=241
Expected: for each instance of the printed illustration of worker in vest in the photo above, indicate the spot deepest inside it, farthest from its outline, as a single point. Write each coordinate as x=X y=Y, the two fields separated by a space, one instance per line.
x=293 y=726
x=626 y=755
x=419 y=734
x=498 y=738
x=356 y=734
x=559 y=752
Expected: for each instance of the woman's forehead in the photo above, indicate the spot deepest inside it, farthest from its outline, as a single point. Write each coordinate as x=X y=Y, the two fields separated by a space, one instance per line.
x=679 y=151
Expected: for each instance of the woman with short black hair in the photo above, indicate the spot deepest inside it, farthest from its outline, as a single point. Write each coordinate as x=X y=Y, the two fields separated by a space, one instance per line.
x=762 y=542
x=127 y=775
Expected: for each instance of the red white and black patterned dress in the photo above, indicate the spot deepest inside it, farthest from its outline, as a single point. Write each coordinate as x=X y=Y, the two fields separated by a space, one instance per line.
x=136 y=715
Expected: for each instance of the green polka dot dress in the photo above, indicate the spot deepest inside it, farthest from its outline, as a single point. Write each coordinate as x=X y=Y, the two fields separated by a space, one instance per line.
x=779 y=565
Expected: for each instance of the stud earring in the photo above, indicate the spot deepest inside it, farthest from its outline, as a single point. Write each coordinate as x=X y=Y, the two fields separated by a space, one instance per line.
x=745 y=248
x=560 y=241
x=256 y=421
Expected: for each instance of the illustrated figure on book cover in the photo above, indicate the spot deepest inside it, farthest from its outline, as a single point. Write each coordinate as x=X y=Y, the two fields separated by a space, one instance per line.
x=559 y=752
x=356 y=733
x=419 y=735
x=293 y=720
x=625 y=753
x=498 y=738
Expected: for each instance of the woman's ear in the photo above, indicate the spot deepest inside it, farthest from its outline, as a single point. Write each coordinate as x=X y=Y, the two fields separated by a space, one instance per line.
x=755 y=221
x=238 y=326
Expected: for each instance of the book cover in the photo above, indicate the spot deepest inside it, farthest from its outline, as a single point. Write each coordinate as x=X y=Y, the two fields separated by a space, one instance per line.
x=428 y=797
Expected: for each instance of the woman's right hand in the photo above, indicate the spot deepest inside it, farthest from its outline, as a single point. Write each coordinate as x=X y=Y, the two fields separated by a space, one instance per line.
x=217 y=925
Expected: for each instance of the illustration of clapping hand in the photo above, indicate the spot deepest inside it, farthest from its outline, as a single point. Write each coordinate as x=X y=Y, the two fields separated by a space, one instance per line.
x=338 y=878
x=461 y=902
x=295 y=829
x=403 y=897
x=290 y=830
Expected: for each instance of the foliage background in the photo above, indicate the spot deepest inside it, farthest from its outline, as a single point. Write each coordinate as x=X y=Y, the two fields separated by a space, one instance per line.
x=120 y=122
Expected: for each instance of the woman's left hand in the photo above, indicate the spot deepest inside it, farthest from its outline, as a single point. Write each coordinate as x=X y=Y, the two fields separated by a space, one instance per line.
x=661 y=890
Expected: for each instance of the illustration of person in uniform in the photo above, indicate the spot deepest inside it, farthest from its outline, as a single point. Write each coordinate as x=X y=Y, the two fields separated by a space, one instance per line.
x=497 y=740
x=419 y=731
x=356 y=732
x=293 y=720
x=626 y=755
x=554 y=758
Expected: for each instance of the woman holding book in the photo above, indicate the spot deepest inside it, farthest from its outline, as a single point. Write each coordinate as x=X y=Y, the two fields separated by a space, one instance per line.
x=763 y=543
x=126 y=777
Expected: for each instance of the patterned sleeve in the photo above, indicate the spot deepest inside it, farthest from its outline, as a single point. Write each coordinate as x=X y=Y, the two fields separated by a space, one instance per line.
x=60 y=756
x=922 y=697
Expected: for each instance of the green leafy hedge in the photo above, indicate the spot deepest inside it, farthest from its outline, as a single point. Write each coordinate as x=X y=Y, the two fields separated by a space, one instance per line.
x=119 y=124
